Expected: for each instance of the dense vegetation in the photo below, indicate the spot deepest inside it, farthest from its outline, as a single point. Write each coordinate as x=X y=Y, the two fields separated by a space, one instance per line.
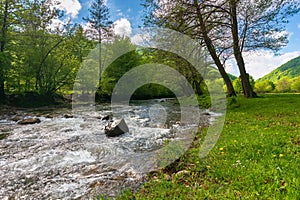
x=258 y=161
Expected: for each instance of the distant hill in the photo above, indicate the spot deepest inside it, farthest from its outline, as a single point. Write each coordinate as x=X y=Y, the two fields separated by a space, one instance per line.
x=291 y=69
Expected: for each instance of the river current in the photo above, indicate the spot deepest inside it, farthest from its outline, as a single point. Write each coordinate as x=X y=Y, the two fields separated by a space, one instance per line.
x=68 y=156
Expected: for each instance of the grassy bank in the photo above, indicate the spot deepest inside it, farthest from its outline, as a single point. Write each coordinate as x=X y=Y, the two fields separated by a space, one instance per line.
x=257 y=157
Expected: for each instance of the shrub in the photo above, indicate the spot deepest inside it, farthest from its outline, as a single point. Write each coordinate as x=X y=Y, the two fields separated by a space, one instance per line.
x=296 y=84
x=284 y=85
x=264 y=86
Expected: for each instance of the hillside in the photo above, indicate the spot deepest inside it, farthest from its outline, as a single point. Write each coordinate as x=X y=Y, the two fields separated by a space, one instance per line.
x=291 y=69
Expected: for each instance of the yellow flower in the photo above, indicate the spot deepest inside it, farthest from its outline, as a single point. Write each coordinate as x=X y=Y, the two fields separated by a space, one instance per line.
x=208 y=167
x=280 y=155
x=221 y=149
x=274 y=156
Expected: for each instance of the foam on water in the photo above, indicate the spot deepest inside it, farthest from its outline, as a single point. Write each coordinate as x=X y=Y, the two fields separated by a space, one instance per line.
x=71 y=158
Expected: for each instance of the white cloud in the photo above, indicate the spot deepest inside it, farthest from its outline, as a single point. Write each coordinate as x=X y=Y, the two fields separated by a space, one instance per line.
x=122 y=27
x=71 y=7
x=141 y=39
x=263 y=62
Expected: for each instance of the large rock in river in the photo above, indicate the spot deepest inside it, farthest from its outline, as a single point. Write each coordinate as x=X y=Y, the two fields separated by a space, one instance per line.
x=29 y=121
x=116 y=128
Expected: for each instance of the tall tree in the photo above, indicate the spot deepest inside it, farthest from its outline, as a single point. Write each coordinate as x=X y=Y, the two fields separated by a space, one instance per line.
x=189 y=18
x=100 y=24
x=247 y=89
x=258 y=25
x=4 y=28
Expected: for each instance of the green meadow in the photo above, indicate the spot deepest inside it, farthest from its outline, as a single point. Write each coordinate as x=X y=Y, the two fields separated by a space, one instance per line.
x=256 y=157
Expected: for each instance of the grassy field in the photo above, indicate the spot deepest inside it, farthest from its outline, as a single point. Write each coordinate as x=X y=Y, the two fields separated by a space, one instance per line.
x=257 y=157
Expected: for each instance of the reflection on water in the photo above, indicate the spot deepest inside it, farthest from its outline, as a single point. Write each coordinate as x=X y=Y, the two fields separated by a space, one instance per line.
x=71 y=157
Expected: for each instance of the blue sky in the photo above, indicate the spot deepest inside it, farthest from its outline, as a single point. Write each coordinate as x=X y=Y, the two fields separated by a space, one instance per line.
x=127 y=15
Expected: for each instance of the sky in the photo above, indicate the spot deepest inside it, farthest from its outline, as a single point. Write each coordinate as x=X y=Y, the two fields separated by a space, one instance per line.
x=127 y=16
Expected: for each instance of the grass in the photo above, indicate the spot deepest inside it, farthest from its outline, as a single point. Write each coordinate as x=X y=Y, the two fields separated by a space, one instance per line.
x=256 y=157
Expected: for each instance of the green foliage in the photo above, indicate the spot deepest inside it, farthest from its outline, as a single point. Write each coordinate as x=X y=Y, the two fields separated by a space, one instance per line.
x=237 y=85
x=295 y=84
x=264 y=86
x=284 y=85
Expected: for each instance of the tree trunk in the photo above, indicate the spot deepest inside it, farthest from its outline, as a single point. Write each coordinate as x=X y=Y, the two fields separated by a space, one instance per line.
x=212 y=51
x=247 y=89
x=197 y=88
x=2 y=48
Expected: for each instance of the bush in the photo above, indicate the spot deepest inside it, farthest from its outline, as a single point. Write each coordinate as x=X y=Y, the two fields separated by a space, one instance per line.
x=296 y=84
x=264 y=86
x=284 y=85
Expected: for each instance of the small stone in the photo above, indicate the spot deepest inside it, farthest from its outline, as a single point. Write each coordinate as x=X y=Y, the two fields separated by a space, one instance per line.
x=29 y=121
x=68 y=116
x=16 y=118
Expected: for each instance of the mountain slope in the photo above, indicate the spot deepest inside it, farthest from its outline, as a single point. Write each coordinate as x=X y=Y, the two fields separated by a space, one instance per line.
x=291 y=69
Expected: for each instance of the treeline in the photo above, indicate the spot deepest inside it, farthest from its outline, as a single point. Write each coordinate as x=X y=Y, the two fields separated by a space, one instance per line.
x=41 y=58
x=284 y=85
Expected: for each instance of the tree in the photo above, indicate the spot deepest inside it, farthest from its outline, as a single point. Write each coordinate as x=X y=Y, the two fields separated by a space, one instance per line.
x=8 y=18
x=258 y=25
x=100 y=25
x=247 y=89
x=191 y=19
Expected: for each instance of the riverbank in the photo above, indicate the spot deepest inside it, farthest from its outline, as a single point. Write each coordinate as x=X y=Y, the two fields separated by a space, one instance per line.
x=256 y=157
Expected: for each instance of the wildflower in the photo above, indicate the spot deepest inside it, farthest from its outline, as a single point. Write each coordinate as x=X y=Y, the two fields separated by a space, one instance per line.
x=280 y=155
x=221 y=149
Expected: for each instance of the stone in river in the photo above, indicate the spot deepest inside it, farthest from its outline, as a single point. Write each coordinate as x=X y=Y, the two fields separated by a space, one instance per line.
x=104 y=118
x=29 y=121
x=116 y=128
x=68 y=116
x=16 y=118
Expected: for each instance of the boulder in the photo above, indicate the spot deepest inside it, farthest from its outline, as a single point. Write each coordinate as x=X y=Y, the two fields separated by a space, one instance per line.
x=29 y=121
x=116 y=128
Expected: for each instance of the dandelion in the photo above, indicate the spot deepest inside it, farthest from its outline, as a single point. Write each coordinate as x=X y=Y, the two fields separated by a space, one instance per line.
x=221 y=149
x=280 y=155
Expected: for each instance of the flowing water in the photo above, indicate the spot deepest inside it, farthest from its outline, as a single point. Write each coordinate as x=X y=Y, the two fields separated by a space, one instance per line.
x=69 y=157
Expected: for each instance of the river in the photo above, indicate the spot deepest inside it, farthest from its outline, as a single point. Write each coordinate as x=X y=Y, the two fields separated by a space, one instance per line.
x=68 y=156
